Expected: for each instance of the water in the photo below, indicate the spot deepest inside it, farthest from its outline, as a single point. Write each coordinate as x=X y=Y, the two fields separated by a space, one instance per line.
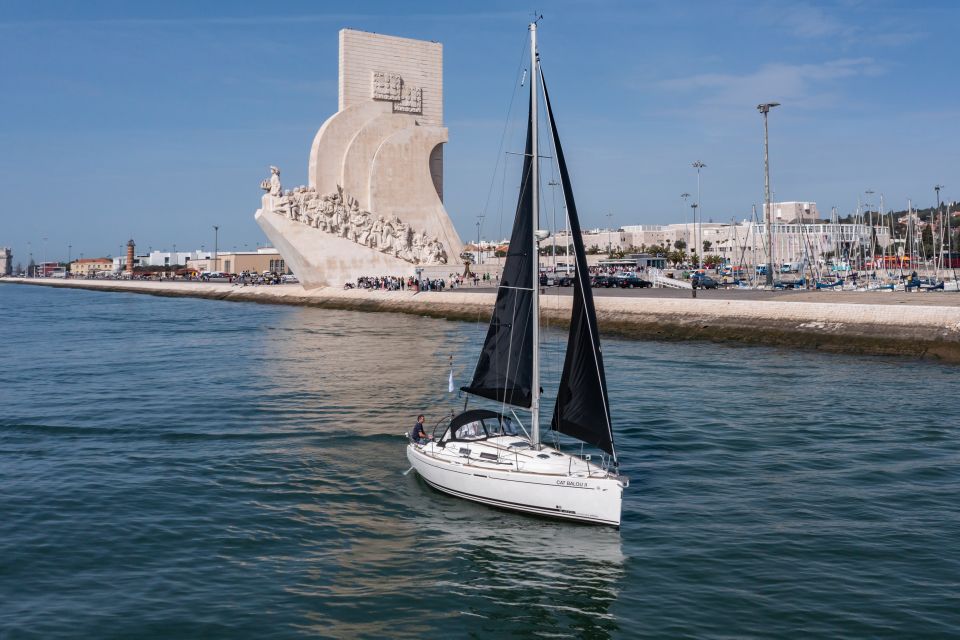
x=192 y=468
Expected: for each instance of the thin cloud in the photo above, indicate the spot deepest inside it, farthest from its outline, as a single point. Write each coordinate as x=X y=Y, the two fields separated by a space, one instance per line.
x=804 y=21
x=800 y=82
x=340 y=18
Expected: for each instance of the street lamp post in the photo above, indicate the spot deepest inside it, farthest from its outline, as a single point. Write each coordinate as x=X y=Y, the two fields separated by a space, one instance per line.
x=699 y=230
x=609 y=238
x=694 y=206
x=765 y=109
x=216 y=240
x=479 y=223
x=686 y=228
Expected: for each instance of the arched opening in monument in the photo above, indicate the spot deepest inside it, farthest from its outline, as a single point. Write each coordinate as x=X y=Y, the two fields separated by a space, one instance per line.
x=436 y=169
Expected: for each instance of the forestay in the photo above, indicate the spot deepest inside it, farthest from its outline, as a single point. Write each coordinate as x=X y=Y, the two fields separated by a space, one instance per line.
x=583 y=408
x=505 y=369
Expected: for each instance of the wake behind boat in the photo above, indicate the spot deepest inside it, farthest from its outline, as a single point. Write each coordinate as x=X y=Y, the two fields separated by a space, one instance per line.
x=488 y=456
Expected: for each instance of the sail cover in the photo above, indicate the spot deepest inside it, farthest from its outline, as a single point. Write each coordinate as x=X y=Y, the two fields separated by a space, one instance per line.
x=583 y=409
x=505 y=368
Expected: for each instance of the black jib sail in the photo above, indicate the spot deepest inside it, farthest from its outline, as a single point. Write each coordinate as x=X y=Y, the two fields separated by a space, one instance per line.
x=505 y=368
x=583 y=409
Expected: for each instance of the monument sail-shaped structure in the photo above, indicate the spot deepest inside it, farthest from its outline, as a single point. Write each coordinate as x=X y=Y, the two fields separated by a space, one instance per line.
x=487 y=455
x=373 y=204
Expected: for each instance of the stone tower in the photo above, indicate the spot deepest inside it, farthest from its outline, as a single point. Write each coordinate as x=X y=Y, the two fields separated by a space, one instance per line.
x=130 y=251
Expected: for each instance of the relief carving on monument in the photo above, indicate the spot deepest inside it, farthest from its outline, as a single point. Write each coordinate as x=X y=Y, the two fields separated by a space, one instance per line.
x=390 y=86
x=341 y=215
x=387 y=86
x=411 y=102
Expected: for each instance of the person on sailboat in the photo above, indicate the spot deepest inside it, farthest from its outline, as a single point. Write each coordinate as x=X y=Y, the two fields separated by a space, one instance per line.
x=418 y=435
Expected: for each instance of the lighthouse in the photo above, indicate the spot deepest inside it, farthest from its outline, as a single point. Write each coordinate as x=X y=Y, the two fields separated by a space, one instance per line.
x=130 y=248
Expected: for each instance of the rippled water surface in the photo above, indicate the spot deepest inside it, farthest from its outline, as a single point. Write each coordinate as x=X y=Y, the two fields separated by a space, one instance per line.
x=190 y=468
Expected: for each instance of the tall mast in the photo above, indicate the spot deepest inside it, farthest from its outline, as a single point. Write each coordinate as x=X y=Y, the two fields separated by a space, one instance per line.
x=535 y=185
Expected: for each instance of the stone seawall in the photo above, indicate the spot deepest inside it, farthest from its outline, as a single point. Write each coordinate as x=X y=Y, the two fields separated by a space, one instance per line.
x=900 y=329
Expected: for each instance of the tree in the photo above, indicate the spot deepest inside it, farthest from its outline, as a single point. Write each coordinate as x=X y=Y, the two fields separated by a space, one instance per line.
x=680 y=245
x=707 y=245
x=593 y=250
x=713 y=261
x=676 y=257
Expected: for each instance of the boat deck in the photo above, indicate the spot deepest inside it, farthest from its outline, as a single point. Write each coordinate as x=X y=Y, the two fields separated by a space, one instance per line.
x=514 y=454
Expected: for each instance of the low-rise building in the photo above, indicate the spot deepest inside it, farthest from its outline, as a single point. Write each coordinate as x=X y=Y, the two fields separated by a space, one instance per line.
x=88 y=267
x=265 y=259
x=50 y=270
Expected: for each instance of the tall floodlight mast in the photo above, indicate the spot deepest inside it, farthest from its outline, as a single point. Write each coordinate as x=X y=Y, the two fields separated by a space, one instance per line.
x=765 y=109
x=698 y=230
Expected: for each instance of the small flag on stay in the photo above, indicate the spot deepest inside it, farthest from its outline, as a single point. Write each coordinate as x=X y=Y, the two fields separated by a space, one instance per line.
x=450 y=389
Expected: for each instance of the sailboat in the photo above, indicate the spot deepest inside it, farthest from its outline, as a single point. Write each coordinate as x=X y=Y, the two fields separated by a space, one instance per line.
x=489 y=456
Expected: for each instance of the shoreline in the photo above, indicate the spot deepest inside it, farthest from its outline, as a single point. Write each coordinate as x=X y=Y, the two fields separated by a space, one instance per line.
x=892 y=328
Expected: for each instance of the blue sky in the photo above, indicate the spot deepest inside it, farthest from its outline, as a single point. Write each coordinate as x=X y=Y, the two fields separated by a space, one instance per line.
x=158 y=120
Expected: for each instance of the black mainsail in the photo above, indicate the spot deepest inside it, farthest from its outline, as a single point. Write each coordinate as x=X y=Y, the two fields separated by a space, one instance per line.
x=583 y=408
x=505 y=369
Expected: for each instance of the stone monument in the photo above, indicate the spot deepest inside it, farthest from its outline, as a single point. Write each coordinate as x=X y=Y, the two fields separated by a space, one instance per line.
x=374 y=203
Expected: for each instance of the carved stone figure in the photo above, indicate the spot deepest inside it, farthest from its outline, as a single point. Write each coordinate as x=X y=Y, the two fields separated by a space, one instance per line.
x=276 y=188
x=341 y=214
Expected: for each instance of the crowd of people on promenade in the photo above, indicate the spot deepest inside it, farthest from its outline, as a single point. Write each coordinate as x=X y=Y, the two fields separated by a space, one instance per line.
x=397 y=283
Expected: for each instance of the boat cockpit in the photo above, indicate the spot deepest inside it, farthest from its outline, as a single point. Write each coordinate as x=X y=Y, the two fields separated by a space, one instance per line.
x=478 y=424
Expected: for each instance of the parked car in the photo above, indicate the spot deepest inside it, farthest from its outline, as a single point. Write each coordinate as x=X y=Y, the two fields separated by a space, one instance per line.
x=289 y=279
x=566 y=280
x=631 y=281
x=601 y=281
x=703 y=281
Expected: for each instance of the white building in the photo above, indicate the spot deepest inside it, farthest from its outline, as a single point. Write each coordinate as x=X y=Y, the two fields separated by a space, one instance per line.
x=746 y=242
x=162 y=259
x=169 y=258
x=787 y=212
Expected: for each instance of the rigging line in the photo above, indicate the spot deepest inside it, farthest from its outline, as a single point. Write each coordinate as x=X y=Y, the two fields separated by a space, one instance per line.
x=557 y=335
x=503 y=398
x=508 y=134
x=513 y=315
x=579 y=283
x=506 y=126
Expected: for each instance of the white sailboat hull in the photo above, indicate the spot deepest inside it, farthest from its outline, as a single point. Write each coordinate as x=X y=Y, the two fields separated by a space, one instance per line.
x=587 y=494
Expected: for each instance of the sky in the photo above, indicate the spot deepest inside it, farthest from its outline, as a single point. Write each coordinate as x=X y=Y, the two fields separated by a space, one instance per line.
x=157 y=120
